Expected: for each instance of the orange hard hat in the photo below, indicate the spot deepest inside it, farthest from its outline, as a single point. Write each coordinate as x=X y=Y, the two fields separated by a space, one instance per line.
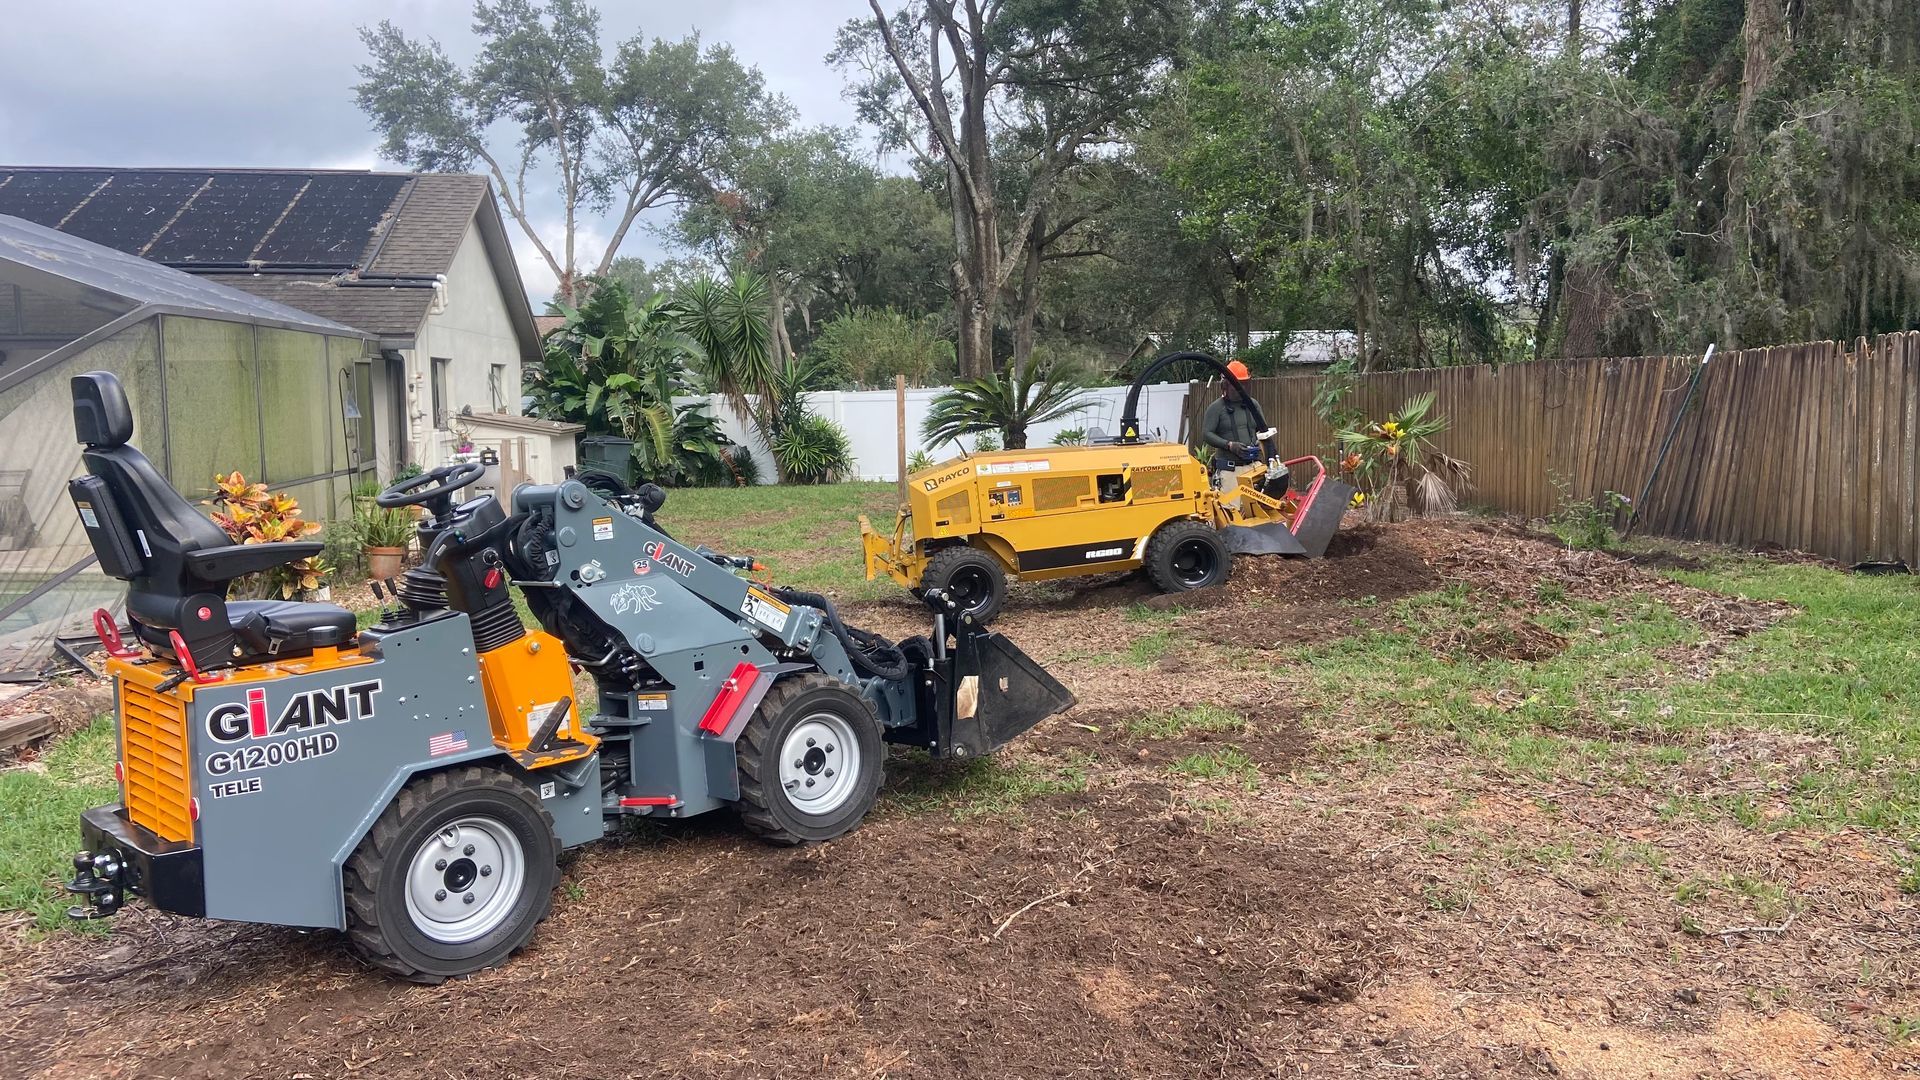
x=1239 y=370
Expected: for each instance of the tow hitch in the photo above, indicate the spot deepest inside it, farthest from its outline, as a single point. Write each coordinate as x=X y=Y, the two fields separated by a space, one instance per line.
x=101 y=879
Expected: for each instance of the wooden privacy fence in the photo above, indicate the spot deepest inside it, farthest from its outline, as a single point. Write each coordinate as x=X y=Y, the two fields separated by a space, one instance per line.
x=1814 y=447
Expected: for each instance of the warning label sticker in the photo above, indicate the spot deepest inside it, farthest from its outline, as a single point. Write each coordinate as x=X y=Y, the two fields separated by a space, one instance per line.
x=993 y=468
x=603 y=528
x=765 y=610
x=537 y=717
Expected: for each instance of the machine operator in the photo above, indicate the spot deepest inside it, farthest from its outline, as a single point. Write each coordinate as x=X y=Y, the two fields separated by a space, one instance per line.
x=1230 y=429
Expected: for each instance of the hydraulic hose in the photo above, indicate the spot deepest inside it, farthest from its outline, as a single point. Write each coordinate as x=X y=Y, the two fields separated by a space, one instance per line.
x=870 y=653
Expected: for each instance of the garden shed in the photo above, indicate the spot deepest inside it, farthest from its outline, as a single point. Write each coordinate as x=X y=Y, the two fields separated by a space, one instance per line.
x=219 y=380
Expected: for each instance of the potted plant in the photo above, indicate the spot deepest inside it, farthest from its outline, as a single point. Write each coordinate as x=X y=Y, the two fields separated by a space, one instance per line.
x=407 y=472
x=384 y=536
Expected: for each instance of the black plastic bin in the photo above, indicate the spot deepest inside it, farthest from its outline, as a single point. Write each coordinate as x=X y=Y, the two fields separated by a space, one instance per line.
x=607 y=454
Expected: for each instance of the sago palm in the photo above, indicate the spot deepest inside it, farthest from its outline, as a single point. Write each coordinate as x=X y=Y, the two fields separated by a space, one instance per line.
x=1005 y=404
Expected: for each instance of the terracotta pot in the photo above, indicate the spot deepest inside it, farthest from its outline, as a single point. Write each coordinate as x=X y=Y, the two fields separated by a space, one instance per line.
x=384 y=562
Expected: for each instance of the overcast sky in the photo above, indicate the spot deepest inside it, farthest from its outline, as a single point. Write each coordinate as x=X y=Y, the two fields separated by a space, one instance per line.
x=270 y=83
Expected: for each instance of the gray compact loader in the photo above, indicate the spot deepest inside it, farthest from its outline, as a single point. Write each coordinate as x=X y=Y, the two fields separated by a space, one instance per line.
x=410 y=783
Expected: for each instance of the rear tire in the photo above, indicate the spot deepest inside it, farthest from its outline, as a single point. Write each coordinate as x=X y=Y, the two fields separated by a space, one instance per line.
x=453 y=877
x=971 y=576
x=1185 y=554
x=810 y=761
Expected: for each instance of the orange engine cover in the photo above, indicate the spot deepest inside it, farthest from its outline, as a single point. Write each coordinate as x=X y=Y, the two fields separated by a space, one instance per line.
x=524 y=680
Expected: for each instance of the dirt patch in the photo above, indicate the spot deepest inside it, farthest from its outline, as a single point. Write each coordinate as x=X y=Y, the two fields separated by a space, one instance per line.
x=1197 y=600
x=1402 y=911
x=1383 y=567
x=1273 y=627
x=903 y=950
x=1579 y=1036
x=1664 y=560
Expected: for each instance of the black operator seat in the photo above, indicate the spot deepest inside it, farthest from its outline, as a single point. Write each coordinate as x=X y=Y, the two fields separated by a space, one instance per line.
x=177 y=564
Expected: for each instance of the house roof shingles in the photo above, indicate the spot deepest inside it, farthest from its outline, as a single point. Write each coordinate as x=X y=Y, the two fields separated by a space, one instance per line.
x=428 y=225
x=387 y=311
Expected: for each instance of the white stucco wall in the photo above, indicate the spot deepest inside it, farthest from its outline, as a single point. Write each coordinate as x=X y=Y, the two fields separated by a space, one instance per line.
x=473 y=331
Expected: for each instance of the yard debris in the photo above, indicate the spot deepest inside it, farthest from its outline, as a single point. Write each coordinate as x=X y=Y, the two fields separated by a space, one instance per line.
x=30 y=722
x=1508 y=637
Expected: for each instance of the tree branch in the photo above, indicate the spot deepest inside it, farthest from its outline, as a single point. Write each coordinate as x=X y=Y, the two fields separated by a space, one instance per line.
x=1037 y=198
x=515 y=209
x=942 y=129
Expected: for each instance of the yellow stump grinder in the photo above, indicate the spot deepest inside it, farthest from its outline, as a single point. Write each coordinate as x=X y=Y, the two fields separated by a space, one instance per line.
x=1062 y=511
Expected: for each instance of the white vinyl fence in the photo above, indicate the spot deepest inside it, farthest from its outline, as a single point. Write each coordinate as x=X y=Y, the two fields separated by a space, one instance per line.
x=870 y=420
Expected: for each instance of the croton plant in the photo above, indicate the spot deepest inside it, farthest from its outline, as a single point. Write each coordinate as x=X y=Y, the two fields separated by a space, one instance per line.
x=250 y=514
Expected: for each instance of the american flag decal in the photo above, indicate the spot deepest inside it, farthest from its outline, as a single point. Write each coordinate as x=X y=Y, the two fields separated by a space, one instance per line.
x=447 y=742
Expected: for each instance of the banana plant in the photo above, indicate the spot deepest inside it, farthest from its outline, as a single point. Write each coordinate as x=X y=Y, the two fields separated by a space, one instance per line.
x=615 y=366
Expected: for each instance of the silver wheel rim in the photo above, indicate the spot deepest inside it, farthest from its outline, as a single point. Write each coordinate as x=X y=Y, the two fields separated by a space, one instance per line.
x=820 y=764
x=465 y=880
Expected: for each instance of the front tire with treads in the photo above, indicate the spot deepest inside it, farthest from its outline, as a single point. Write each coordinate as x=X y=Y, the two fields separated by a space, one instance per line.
x=453 y=877
x=1186 y=554
x=810 y=761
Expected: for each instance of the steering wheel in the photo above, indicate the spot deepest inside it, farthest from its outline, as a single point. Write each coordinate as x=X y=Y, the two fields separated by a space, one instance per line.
x=429 y=487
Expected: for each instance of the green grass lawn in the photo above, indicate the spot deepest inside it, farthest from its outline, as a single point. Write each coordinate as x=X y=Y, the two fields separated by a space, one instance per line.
x=1840 y=670
x=809 y=537
x=40 y=820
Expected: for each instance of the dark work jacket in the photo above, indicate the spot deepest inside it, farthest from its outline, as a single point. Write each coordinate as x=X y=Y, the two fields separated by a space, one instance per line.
x=1228 y=421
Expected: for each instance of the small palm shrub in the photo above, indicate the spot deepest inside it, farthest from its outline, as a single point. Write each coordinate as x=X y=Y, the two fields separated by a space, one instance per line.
x=812 y=449
x=1394 y=459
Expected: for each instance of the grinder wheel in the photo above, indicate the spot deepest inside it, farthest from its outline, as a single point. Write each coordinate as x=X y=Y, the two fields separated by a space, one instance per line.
x=1187 y=554
x=973 y=578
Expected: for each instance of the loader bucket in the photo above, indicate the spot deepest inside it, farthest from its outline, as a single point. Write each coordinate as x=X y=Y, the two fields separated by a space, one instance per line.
x=1271 y=539
x=999 y=692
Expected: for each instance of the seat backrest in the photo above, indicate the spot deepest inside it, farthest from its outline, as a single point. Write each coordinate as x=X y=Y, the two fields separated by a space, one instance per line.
x=132 y=499
x=164 y=525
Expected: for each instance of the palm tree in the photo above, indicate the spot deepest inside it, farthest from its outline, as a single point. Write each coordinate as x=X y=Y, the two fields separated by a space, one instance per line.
x=1391 y=454
x=729 y=320
x=1005 y=403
